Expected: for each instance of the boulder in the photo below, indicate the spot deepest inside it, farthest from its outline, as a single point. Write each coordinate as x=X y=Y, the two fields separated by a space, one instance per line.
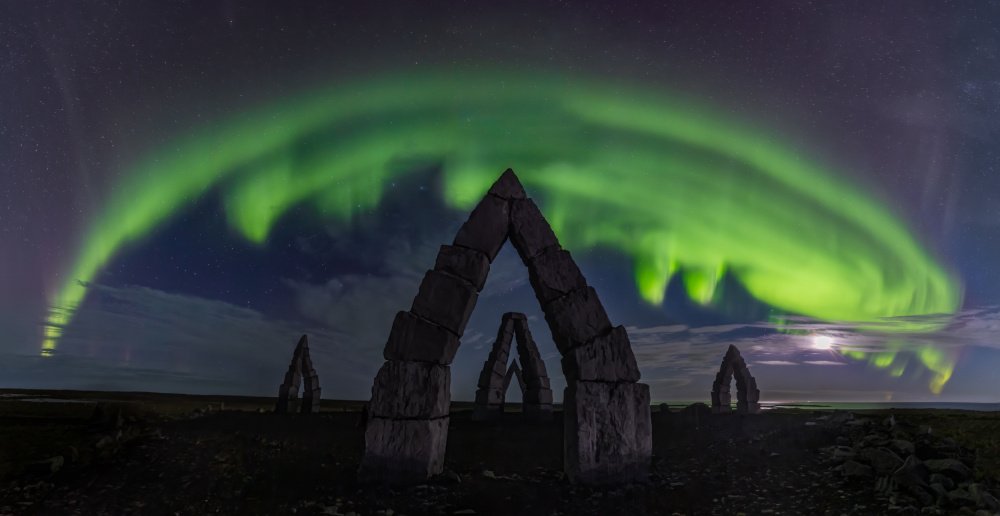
x=856 y=470
x=607 y=434
x=446 y=300
x=415 y=339
x=403 y=451
x=411 y=390
x=911 y=472
x=952 y=468
x=486 y=229
x=961 y=498
x=983 y=497
x=607 y=358
x=882 y=460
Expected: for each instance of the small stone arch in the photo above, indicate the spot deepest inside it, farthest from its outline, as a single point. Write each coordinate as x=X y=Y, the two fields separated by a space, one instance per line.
x=299 y=371
x=606 y=415
x=494 y=382
x=747 y=393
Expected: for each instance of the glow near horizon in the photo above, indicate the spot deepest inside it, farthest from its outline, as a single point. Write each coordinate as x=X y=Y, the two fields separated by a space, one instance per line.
x=679 y=189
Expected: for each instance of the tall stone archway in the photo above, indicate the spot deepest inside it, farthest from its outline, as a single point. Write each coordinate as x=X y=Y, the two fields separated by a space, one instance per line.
x=747 y=393
x=607 y=434
x=493 y=382
x=299 y=371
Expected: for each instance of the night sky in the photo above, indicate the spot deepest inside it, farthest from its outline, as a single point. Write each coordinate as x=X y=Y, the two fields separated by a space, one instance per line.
x=187 y=187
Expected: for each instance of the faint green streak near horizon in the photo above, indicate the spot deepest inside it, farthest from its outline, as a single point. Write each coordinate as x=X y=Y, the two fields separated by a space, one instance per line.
x=679 y=188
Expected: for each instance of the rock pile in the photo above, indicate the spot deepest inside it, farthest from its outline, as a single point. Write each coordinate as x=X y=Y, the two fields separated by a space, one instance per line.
x=300 y=371
x=493 y=381
x=607 y=418
x=909 y=463
x=747 y=393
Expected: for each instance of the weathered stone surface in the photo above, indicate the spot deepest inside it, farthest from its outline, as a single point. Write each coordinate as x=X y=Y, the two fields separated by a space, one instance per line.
x=401 y=452
x=416 y=339
x=471 y=265
x=983 y=497
x=607 y=358
x=902 y=447
x=882 y=460
x=952 y=468
x=411 y=390
x=856 y=470
x=747 y=408
x=554 y=274
x=492 y=375
x=961 y=498
x=508 y=187
x=445 y=300
x=489 y=396
x=540 y=396
x=486 y=229
x=938 y=478
x=576 y=317
x=529 y=232
x=541 y=382
x=607 y=432
x=911 y=472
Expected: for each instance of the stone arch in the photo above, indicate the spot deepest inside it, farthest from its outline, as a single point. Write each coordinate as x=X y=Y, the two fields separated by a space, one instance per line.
x=299 y=371
x=747 y=393
x=493 y=382
x=606 y=411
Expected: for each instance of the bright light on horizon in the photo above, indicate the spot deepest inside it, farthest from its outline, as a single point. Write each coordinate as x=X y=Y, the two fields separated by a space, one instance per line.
x=822 y=342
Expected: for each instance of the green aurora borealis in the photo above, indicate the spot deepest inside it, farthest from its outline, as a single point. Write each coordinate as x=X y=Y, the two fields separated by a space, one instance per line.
x=678 y=188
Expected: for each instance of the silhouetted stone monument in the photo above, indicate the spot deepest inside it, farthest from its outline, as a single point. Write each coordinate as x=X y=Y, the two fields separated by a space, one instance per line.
x=747 y=393
x=607 y=434
x=299 y=372
x=493 y=382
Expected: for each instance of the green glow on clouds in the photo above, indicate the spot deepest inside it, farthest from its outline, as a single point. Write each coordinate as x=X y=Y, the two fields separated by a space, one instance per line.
x=679 y=188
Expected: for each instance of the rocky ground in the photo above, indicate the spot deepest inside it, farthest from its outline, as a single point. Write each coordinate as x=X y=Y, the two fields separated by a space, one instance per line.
x=242 y=462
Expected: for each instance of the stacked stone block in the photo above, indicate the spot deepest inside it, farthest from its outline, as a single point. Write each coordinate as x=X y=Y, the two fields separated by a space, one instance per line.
x=491 y=393
x=607 y=415
x=407 y=430
x=300 y=372
x=533 y=378
x=536 y=400
x=747 y=393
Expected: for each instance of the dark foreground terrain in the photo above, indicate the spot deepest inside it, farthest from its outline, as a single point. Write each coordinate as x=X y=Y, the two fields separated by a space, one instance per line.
x=170 y=455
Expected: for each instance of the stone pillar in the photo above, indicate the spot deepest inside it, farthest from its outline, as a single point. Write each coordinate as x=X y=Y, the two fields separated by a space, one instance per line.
x=407 y=429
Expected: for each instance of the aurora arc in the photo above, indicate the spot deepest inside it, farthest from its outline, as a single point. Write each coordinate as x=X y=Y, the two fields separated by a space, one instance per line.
x=678 y=188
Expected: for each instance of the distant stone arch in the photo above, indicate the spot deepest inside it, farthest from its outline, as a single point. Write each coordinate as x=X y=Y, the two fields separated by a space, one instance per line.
x=299 y=371
x=606 y=412
x=747 y=393
x=494 y=382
